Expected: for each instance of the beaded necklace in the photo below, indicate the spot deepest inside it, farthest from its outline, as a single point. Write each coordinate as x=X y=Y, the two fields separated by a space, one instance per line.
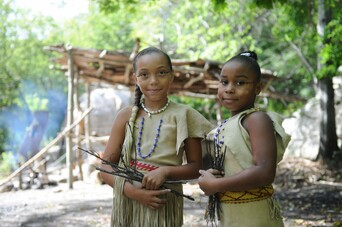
x=155 y=139
x=217 y=142
x=152 y=112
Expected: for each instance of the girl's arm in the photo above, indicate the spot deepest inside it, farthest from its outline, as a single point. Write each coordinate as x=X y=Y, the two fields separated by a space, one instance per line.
x=112 y=153
x=155 y=178
x=264 y=151
x=150 y=198
x=114 y=145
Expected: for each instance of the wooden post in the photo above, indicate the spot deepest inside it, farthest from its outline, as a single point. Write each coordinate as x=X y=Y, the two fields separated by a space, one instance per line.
x=70 y=117
x=78 y=127
x=20 y=179
x=87 y=118
x=87 y=127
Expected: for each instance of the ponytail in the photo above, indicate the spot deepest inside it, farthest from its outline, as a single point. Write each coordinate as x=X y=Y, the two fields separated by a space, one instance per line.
x=250 y=59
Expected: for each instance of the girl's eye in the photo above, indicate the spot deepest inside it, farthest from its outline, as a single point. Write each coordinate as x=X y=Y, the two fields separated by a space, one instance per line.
x=163 y=73
x=240 y=83
x=224 y=82
x=143 y=75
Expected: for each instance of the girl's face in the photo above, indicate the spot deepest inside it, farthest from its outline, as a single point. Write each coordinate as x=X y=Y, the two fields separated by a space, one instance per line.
x=154 y=77
x=238 y=87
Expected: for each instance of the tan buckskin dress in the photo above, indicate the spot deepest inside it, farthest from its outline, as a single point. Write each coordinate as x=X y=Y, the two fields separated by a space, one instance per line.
x=179 y=122
x=262 y=213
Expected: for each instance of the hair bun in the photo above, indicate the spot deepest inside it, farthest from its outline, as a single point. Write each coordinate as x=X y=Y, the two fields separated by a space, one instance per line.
x=250 y=54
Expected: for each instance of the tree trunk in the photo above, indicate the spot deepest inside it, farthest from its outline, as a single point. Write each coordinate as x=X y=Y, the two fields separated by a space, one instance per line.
x=328 y=136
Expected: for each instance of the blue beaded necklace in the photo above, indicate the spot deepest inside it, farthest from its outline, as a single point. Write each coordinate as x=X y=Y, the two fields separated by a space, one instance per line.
x=155 y=139
x=217 y=142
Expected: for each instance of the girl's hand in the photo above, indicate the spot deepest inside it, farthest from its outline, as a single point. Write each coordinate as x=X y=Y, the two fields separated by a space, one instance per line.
x=154 y=179
x=216 y=173
x=149 y=198
x=206 y=181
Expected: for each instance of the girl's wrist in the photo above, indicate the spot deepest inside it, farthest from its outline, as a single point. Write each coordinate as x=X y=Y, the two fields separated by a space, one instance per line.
x=216 y=185
x=166 y=172
x=128 y=190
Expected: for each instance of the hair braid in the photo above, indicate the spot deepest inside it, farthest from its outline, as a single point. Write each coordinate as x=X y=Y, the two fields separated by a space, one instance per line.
x=137 y=96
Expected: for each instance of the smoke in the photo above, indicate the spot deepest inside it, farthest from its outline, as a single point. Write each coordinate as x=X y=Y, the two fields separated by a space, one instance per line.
x=17 y=120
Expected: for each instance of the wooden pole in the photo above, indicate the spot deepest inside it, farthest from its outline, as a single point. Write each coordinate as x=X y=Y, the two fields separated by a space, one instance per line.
x=20 y=178
x=78 y=128
x=45 y=149
x=87 y=118
x=87 y=129
x=68 y=138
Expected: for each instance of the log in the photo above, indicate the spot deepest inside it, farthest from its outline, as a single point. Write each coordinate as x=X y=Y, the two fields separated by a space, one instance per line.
x=45 y=149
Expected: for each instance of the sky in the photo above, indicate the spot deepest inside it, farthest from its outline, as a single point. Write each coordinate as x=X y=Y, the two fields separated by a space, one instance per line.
x=58 y=9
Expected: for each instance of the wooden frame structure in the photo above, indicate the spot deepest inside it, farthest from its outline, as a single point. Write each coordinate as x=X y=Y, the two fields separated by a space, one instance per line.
x=192 y=78
x=198 y=78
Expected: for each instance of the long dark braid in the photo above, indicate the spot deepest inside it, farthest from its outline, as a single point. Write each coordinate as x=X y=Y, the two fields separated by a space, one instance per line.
x=137 y=96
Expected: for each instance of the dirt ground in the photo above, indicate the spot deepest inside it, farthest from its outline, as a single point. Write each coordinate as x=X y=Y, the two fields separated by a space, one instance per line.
x=309 y=196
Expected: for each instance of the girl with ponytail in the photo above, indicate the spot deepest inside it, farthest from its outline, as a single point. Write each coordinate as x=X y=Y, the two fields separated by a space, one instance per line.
x=253 y=142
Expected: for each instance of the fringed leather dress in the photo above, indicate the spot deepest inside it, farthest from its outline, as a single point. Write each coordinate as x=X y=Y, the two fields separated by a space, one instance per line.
x=177 y=123
x=256 y=207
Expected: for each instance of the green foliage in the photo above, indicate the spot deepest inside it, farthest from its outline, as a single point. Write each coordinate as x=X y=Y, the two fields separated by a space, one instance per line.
x=111 y=31
x=7 y=161
x=186 y=29
x=26 y=78
x=110 y=6
x=25 y=61
x=331 y=53
x=282 y=32
x=9 y=89
x=217 y=30
x=36 y=103
x=219 y=5
x=295 y=24
x=3 y=138
x=8 y=82
x=207 y=107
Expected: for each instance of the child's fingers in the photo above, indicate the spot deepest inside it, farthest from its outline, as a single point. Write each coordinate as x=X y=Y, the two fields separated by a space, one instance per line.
x=162 y=192
x=211 y=172
x=158 y=202
x=214 y=171
x=204 y=172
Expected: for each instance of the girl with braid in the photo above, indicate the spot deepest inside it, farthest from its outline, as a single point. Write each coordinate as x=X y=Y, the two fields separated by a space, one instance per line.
x=253 y=141
x=153 y=136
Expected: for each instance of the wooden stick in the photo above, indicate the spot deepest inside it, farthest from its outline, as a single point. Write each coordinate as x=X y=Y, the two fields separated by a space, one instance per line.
x=45 y=149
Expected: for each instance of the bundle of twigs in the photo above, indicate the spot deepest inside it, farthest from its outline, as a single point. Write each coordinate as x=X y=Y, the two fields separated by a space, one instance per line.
x=133 y=174
x=216 y=156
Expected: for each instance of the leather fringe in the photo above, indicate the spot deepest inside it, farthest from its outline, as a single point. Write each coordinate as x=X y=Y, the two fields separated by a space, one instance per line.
x=274 y=208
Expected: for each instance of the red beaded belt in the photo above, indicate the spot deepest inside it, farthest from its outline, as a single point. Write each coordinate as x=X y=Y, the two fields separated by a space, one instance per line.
x=246 y=196
x=142 y=166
